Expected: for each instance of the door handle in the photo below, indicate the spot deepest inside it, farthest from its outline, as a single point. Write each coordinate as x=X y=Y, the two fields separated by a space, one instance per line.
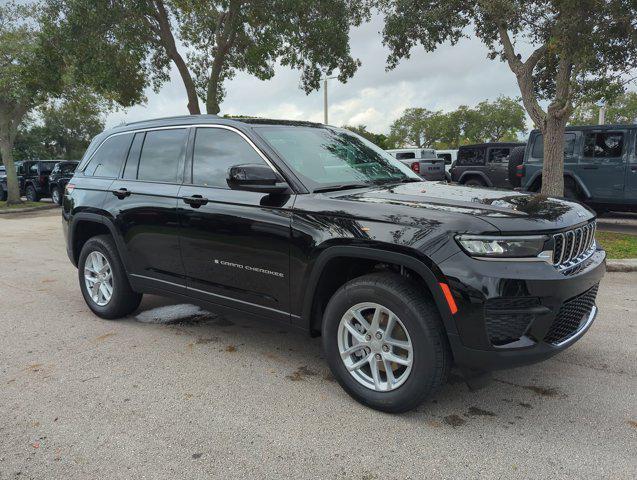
x=590 y=167
x=195 y=201
x=121 y=193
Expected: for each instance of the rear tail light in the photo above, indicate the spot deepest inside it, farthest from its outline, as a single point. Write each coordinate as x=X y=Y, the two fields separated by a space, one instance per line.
x=519 y=171
x=69 y=188
x=416 y=167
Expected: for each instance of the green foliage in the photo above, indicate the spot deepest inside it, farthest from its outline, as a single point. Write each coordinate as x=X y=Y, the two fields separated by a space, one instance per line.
x=622 y=109
x=501 y=120
x=63 y=129
x=379 y=139
x=221 y=37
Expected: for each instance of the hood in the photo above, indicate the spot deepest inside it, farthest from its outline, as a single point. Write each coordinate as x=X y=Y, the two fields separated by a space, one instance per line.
x=507 y=210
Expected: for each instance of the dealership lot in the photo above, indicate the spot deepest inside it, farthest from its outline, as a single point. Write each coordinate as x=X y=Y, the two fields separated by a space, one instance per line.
x=82 y=397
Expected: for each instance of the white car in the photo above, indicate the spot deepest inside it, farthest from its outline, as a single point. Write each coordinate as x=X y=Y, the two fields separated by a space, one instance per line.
x=422 y=161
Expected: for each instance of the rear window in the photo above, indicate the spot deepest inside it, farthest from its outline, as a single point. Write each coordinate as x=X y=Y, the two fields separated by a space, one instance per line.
x=471 y=156
x=499 y=155
x=446 y=157
x=108 y=158
x=537 y=151
x=405 y=155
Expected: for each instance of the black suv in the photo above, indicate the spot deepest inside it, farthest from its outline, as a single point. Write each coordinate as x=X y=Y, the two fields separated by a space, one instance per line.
x=318 y=228
x=59 y=177
x=483 y=165
x=33 y=178
x=600 y=166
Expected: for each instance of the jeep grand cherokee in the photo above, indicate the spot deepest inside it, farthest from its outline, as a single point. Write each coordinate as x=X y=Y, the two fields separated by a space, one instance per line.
x=316 y=227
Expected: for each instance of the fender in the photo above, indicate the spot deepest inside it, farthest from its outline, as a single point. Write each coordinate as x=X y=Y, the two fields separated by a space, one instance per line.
x=473 y=173
x=103 y=220
x=567 y=174
x=425 y=271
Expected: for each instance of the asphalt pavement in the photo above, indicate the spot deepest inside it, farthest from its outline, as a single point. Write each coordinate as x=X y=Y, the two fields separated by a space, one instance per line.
x=218 y=397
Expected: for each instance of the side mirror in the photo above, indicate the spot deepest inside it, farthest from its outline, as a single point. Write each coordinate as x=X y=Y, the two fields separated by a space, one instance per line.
x=254 y=177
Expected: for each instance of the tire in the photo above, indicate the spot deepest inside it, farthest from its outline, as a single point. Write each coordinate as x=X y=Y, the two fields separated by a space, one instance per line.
x=123 y=300
x=56 y=195
x=431 y=356
x=571 y=192
x=516 y=158
x=475 y=182
x=32 y=194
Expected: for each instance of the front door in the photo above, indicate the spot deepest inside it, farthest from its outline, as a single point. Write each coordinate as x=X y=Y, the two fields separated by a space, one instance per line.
x=603 y=164
x=234 y=244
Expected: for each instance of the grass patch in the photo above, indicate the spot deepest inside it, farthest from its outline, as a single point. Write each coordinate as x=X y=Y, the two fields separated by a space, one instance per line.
x=4 y=206
x=618 y=245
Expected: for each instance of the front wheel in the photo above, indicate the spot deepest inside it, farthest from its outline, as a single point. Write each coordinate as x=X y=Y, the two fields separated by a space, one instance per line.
x=475 y=182
x=103 y=280
x=32 y=194
x=385 y=342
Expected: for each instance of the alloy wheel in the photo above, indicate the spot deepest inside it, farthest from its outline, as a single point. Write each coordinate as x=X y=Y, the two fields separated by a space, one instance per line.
x=98 y=278
x=375 y=347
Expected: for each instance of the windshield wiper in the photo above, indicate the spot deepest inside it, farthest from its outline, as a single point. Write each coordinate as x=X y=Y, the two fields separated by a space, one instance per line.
x=343 y=186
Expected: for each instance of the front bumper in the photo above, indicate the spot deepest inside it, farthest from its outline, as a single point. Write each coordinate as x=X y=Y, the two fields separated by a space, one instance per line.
x=518 y=313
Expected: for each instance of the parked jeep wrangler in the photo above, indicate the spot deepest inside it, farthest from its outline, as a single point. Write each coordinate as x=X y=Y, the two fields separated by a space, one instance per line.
x=600 y=166
x=59 y=177
x=483 y=165
x=316 y=227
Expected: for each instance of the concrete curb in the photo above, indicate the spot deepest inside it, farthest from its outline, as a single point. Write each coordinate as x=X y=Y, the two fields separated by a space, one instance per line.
x=8 y=211
x=624 y=265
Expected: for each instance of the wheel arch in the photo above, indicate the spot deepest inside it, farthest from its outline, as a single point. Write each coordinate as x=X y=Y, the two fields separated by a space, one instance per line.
x=335 y=259
x=475 y=173
x=535 y=183
x=85 y=225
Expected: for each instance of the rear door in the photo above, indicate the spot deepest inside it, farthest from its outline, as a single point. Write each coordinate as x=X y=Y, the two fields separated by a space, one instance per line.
x=498 y=166
x=143 y=206
x=235 y=244
x=602 y=166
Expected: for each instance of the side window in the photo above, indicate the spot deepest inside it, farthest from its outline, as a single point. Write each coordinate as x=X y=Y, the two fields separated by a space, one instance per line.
x=405 y=155
x=161 y=155
x=108 y=158
x=132 y=161
x=633 y=157
x=471 y=156
x=498 y=155
x=33 y=169
x=216 y=150
x=537 y=152
x=604 y=147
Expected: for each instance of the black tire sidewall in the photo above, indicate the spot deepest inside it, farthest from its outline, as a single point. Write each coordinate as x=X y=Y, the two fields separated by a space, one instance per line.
x=31 y=194
x=55 y=190
x=516 y=158
x=474 y=182
x=423 y=372
x=124 y=300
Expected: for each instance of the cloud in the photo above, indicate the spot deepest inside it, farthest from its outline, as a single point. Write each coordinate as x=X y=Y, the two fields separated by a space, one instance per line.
x=440 y=80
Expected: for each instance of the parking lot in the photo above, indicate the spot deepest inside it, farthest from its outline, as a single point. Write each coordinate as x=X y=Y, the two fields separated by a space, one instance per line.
x=217 y=397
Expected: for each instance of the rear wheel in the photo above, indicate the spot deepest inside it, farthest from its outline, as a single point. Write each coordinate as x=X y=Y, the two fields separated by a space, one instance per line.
x=103 y=280
x=32 y=194
x=385 y=342
x=56 y=196
x=475 y=182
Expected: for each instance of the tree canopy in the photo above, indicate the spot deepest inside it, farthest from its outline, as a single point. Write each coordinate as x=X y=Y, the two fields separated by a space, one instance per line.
x=379 y=139
x=500 y=120
x=622 y=109
x=579 y=50
x=210 y=41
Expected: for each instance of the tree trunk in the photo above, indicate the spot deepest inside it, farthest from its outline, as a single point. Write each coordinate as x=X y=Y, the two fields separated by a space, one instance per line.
x=13 y=187
x=553 y=167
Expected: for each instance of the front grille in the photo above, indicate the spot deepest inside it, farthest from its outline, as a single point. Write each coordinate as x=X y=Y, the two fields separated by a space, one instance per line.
x=505 y=318
x=571 y=316
x=573 y=246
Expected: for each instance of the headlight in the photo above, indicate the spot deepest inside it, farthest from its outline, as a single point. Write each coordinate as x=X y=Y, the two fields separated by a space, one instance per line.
x=502 y=247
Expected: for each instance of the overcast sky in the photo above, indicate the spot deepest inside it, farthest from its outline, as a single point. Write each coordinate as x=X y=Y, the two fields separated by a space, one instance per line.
x=443 y=80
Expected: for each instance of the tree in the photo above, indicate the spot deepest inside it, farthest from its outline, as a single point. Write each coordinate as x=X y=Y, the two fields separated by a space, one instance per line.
x=496 y=121
x=222 y=37
x=580 y=49
x=379 y=139
x=623 y=109
x=420 y=127
x=29 y=73
x=62 y=128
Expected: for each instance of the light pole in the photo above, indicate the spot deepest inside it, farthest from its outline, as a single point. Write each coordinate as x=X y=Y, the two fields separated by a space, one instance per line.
x=325 y=98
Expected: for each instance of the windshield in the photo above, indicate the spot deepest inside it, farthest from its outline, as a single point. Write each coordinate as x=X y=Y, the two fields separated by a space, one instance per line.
x=324 y=157
x=67 y=167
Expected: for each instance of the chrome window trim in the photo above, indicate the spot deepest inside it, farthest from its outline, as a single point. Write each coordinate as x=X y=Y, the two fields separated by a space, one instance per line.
x=179 y=127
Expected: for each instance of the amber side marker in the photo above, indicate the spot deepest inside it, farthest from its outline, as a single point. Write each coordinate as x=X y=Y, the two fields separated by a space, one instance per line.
x=450 y=301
